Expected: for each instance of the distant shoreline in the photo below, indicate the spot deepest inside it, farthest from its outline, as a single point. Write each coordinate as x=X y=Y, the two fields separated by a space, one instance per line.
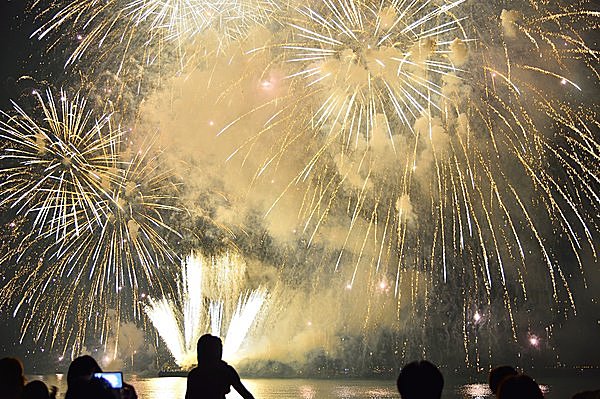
x=450 y=375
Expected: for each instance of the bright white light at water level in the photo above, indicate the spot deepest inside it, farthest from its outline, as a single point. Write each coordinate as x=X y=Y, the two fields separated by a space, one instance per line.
x=215 y=282
x=476 y=391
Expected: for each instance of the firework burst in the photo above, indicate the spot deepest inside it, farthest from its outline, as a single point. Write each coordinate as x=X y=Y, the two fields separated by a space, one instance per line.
x=216 y=282
x=181 y=19
x=444 y=141
x=375 y=64
x=146 y=33
x=90 y=230
x=58 y=172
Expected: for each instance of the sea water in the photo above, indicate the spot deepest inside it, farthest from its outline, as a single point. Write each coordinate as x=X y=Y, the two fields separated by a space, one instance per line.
x=174 y=387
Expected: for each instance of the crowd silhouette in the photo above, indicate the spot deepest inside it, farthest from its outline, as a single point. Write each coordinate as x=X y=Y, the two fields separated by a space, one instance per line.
x=423 y=380
x=213 y=378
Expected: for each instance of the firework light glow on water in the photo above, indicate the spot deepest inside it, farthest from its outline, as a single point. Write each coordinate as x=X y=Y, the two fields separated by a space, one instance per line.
x=413 y=165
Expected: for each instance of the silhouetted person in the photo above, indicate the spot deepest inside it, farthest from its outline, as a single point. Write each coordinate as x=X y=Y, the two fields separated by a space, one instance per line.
x=81 y=383
x=97 y=388
x=213 y=377
x=420 y=380
x=519 y=386
x=38 y=390
x=82 y=367
x=497 y=375
x=12 y=380
x=81 y=370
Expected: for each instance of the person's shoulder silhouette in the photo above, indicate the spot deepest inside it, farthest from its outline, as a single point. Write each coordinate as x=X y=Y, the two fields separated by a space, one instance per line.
x=12 y=380
x=519 y=386
x=213 y=378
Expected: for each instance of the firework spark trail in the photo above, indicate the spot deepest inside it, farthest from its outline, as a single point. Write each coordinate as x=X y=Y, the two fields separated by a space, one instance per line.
x=182 y=320
x=248 y=307
x=58 y=173
x=148 y=32
x=165 y=320
x=91 y=225
x=440 y=139
x=466 y=113
x=191 y=293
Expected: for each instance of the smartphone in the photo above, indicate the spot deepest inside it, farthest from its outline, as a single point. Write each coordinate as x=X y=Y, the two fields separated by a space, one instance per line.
x=114 y=378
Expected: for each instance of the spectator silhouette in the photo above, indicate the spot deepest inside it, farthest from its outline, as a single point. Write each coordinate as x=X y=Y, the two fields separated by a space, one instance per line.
x=12 y=380
x=97 y=388
x=212 y=378
x=519 y=386
x=38 y=390
x=81 y=370
x=420 y=380
x=497 y=375
x=81 y=383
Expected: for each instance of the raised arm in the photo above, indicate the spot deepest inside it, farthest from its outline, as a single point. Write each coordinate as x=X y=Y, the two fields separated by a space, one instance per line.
x=241 y=389
x=236 y=383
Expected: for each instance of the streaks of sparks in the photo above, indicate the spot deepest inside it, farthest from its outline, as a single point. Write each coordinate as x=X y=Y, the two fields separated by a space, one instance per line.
x=182 y=320
x=58 y=172
x=432 y=131
x=100 y=215
x=122 y=31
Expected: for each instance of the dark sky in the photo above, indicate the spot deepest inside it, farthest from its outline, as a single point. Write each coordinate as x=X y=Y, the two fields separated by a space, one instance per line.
x=20 y=55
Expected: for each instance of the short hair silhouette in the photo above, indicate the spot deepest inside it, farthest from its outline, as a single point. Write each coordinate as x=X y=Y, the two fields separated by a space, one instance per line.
x=420 y=380
x=209 y=349
x=82 y=367
x=35 y=390
x=12 y=380
x=498 y=374
x=519 y=386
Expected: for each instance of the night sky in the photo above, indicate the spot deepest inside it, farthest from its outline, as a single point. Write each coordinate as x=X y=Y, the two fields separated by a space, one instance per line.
x=22 y=56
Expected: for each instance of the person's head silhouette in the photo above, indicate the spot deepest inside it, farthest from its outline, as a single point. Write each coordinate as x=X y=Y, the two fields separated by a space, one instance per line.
x=209 y=349
x=497 y=375
x=82 y=368
x=519 y=386
x=12 y=380
x=420 y=380
x=36 y=390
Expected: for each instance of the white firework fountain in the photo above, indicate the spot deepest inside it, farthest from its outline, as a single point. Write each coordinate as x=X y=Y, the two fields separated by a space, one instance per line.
x=210 y=299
